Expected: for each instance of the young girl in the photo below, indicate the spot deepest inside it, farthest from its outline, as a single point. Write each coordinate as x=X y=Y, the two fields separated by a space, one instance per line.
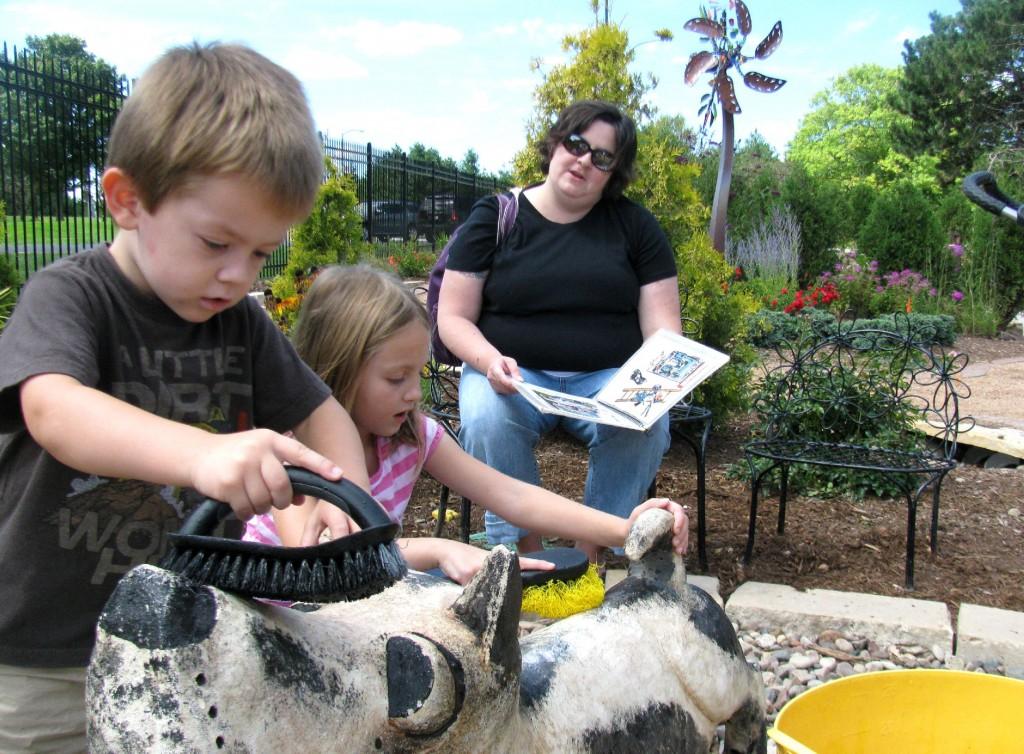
x=367 y=336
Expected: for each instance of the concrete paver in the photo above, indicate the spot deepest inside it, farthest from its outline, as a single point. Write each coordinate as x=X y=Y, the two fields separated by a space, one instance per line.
x=988 y=633
x=884 y=619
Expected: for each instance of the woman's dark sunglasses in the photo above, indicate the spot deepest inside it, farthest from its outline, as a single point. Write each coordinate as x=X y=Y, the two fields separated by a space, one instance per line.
x=577 y=146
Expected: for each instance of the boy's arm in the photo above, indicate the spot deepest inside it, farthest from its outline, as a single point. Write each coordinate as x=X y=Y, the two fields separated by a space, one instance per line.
x=96 y=433
x=536 y=509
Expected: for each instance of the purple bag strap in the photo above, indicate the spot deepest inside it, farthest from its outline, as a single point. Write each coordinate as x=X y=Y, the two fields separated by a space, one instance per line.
x=508 y=208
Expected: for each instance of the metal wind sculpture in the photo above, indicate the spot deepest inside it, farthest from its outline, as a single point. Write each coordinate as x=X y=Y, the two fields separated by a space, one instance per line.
x=727 y=34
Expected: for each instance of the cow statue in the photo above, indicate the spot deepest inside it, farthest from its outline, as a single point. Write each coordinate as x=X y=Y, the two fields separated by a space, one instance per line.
x=425 y=665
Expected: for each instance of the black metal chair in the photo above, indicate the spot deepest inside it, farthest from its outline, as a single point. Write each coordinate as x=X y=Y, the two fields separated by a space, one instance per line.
x=443 y=405
x=842 y=382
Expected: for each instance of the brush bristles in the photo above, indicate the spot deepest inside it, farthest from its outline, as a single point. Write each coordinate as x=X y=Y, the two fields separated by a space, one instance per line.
x=343 y=576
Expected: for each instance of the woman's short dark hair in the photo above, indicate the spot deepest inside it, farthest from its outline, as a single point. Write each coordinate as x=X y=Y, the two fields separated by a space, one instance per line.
x=577 y=118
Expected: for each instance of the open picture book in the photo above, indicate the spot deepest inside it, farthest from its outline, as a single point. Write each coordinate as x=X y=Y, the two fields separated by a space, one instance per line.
x=663 y=371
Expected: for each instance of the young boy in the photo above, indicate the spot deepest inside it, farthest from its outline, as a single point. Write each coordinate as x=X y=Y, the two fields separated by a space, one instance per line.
x=131 y=372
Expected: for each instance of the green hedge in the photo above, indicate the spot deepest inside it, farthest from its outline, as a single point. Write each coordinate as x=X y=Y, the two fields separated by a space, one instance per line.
x=772 y=328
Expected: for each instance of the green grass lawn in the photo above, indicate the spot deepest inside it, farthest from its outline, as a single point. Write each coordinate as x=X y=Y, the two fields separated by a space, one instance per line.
x=34 y=242
x=50 y=231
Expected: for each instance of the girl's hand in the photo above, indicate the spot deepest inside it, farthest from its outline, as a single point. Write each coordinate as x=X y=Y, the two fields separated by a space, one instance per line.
x=680 y=527
x=460 y=562
x=502 y=372
x=328 y=522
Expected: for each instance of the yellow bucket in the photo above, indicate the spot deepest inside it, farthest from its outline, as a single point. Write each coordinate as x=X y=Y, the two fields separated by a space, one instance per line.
x=907 y=712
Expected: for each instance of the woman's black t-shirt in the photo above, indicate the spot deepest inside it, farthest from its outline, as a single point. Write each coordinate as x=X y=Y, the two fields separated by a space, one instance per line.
x=564 y=296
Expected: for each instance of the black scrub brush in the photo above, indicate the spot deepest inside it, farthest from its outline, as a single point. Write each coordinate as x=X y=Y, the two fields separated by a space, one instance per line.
x=346 y=568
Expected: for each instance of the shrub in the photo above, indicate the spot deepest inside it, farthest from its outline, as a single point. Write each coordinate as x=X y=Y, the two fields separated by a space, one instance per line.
x=720 y=307
x=769 y=329
x=9 y=277
x=902 y=231
x=410 y=262
x=818 y=208
x=10 y=280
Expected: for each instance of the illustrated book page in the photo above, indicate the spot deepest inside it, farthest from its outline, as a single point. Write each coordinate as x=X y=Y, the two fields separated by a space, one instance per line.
x=663 y=371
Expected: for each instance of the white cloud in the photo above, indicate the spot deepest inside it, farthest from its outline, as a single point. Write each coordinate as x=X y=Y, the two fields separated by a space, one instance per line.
x=861 y=24
x=908 y=33
x=400 y=40
x=310 y=64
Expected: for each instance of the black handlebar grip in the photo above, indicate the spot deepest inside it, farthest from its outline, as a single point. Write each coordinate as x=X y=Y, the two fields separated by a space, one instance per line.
x=366 y=511
x=981 y=188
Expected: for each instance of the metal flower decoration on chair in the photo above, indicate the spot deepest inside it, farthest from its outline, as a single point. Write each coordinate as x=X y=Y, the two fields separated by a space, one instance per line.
x=727 y=34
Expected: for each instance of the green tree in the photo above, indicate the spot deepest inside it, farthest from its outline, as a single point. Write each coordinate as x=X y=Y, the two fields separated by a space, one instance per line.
x=962 y=91
x=848 y=136
x=598 y=69
x=818 y=207
x=470 y=163
x=56 y=123
x=667 y=179
x=330 y=235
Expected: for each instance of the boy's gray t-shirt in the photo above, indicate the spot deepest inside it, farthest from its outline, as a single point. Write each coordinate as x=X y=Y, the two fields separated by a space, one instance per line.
x=67 y=537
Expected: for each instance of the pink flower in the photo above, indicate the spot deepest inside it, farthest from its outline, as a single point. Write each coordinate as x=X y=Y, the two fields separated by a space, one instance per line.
x=957 y=296
x=956 y=249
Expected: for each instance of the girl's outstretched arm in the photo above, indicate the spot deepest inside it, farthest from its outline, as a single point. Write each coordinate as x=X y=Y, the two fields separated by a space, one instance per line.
x=537 y=509
x=459 y=561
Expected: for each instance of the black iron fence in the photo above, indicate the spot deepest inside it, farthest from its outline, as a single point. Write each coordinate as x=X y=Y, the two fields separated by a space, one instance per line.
x=55 y=120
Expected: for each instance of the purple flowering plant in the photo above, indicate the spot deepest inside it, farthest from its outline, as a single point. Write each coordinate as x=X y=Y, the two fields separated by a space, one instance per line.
x=866 y=292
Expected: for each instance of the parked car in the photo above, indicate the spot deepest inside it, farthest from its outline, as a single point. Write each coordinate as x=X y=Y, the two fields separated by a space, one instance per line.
x=440 y=214
x=389 y=219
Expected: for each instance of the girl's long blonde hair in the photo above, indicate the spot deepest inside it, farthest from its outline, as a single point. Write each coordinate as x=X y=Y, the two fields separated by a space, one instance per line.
x=347 y=315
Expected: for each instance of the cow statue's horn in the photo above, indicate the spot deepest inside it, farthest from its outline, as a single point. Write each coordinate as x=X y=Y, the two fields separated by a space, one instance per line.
x=489 y=607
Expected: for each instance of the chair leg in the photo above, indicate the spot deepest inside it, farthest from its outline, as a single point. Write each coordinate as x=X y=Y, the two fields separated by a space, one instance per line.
x=699 y=448
x=935 y=513
x=911 y=537
x=442 y=510
x=755 y=483
x=783 y=490
x=467 y=509
x=702 y=553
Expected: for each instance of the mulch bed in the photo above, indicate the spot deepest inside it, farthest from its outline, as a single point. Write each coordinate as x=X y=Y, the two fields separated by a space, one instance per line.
x=841 y=544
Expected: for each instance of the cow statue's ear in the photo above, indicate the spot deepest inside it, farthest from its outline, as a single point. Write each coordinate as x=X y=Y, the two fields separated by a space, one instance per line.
x=489 y=607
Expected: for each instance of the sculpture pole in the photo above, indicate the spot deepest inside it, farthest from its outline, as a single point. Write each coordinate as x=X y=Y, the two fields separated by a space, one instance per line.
x=721 y=203
x=726 y=35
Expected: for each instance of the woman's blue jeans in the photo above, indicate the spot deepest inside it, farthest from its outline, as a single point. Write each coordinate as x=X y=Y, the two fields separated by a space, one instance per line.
x=503 y=431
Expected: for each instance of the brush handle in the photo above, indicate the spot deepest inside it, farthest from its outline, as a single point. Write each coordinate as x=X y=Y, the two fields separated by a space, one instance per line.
x=352 y=499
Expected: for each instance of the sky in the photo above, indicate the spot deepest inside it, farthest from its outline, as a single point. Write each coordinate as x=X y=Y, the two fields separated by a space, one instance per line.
x=456 y=74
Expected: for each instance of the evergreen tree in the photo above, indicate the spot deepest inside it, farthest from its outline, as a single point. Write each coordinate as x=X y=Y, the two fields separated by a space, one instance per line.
x=963 y=86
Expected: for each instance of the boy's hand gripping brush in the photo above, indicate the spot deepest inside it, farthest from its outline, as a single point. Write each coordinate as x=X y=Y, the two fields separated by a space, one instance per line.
x=346 y=568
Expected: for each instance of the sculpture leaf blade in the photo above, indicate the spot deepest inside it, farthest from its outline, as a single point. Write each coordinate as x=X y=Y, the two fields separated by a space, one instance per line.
x=770 y=42
x=699 y=63
x=762 y=83
x=727 y=93
x=706 y=27
x=743 y=17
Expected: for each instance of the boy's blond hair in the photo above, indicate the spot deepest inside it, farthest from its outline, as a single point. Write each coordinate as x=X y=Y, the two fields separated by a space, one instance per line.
x=347 y=315
x=217 y=109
